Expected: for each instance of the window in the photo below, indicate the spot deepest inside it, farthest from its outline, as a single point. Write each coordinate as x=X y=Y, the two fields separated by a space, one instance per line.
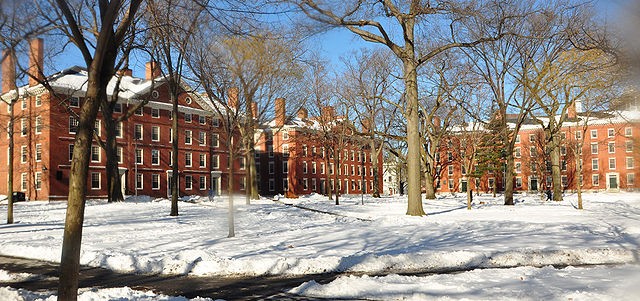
x=23 y=181
x=578 y=135
x=202 y=160
x=23 y=126
x=517 y=138
x=155 y=133
x=117 y=108
x=532 y=137
x=187 y=137
x=243 y=163
x=313 y=168
x=272 y=184
x=187 y=117
x=304 y=150
x=304 y=167
x=518 y=182
x=331 y=169
x=517 y=152
x=73 y=125
x=139 y=156
x=38 y=180
x=74 y=102
x=119 y=130
x=70 y=152
x=612 y=147
x=119 y=154
x=594 y=164
x=627 y=132
x=155 y=157
x=285 y=184
x=155 y=181
x=202 y=138
x=215 y=161
x=138 y=132
x=353 y=170
x=95 y=153
x=450 y=170
x=272 y=169
x=563 y=165
x=285 y=135
x=155 y=112
x=595 y=180
x=285 y=167
x=139 y=111
x=215 y=122
x=629 y=162
x=631 y=179
x=38 y=100
x=188 y=182
x=171 y=158
x=215 y=140
x=305 y=184
x=139 y=181
x=594 y=148
x=612 y=163
x=203 y=183
x=322 y=170
x=202 y=119
x=594 y=134
x=187 y=159
x=96 y=127
x=23 y=154
x=628 y=146
x=38 y=152
x=95 y=180
x=314 y=185
x=564 y=180
x=38 y=124
x=450 y=184
x=518 y=167
x=353 y=155
x=285 y=150
x=611 y=133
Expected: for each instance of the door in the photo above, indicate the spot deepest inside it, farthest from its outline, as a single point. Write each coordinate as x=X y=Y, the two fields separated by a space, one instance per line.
x=463 y=186
x=533 y=186
x=123 y=182
x=613 y=181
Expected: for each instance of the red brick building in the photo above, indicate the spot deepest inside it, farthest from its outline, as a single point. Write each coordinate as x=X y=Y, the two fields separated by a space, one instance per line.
x=293 y=157
x=45 y=126
x=609 y=153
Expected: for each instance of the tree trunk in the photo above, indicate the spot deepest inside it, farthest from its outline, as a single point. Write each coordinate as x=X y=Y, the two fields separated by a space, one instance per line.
x=10 y=167
x=555 y=170
x=414 y=207
x=174 y=148
x=469 y=194
x=114 y=187
x=336 y=161
x=579 y=172
x=230 y=216
x=508 y=179
x=374 y=165
x=328 y=178
x=71 y=244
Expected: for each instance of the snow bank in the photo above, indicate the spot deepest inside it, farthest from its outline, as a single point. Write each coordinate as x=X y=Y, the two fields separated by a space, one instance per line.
x=93 y=294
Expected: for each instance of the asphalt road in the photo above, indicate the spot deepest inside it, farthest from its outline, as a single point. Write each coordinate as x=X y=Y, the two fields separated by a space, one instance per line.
x=247 y=288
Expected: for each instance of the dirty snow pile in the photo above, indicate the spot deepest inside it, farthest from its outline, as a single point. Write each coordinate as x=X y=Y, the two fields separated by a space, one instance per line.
x=106 y=294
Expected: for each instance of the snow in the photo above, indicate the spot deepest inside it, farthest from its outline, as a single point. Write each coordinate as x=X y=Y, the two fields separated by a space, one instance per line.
x=91 y=294
x=376 y=238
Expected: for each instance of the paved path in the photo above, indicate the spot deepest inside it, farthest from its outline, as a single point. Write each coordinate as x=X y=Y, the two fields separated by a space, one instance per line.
x=248 y=288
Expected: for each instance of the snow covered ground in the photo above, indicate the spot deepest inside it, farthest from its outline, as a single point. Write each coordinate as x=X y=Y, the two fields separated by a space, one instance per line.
x=272 y=238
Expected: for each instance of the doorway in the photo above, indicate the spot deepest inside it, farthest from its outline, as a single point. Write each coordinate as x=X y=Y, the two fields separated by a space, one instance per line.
x=533 y=184
x=612 y=181
x=463 y=185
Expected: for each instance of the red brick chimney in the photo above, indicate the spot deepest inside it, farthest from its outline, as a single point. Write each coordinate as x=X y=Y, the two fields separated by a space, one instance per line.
x=125 y=72
x=233 y=97
x=328 y=113
x=254 y=109
x=36 y=61
x=8 y=70
x=280 y=105
x=571 y=111
x=303 y=113
x=152 y=70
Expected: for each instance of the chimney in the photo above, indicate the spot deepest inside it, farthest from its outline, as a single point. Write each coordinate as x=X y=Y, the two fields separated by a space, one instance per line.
x=436 y=121
x=8 y=70
x=254 y=109
x=152 y=70
x=233 y=98
x=303 y=113
x=280 y=111
x=571 y=112
x=328 y=113
x=36 y=61
x=125 y=72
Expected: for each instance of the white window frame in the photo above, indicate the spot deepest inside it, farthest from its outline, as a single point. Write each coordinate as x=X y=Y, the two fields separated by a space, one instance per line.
x=155 y=130
x=23 y=154
x=99 y=180
x=215 y=140
x=38 y=179
x=202 y=137
x=629 y=162
x=155 y=177
x=188 y=138
x=38 y=122
x=141 y=156
x=188 y=159
x=595 y=180
x=595 y=164
x=135 y=130
x=612 y=160
x=38 y=152
x=202 y=160
x=188 y=182
x=157 y=152
x=155 y=113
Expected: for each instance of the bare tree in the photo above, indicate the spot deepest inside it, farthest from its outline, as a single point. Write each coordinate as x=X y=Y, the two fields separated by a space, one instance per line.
x=413 y=50
x=99 y=43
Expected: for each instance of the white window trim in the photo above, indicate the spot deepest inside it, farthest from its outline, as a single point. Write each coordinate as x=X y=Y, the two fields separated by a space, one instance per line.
x=135 y=154
x=38 y=180
x=190 y=182
x=188 y=134
x=152 y=177
x=190 y=156
x=36 y=152
x=200 y=161
x=141 y=181
x=202 y=141
x=99 y=181
x=152 y=129
x=158 y=151
x=156 y=110
x=202 y=179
